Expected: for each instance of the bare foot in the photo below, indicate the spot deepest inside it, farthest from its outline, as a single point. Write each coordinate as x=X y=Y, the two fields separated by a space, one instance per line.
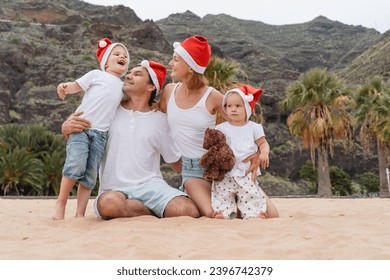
x=263 y=215
x=60 y=212
x=218 y=215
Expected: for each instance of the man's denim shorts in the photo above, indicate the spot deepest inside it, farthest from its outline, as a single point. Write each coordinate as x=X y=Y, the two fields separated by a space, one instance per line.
x=84 y=152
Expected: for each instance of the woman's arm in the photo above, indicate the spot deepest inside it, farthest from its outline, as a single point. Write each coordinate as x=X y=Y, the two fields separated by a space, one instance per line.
x=261 y=158
x=264 y=149
x=176 y=166
x=166 y=92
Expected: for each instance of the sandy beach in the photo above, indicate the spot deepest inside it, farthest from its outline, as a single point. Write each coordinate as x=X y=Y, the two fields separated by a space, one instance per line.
x=308 y=229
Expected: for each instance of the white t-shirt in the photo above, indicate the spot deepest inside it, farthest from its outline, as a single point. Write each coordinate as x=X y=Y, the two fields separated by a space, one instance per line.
x=103 y=94
x=241 y=139
x=134 y=145
x=189 y=125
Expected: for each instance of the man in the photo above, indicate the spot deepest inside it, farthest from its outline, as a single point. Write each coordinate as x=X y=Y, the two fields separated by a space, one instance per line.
x=131 y=183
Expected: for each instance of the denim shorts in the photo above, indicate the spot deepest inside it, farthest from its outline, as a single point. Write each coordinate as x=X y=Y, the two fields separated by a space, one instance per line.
x=155 y=194
x=190 y=170
x=84 y=152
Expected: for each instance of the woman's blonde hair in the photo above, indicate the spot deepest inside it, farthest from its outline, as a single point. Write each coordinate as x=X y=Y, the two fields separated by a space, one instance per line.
x=197 y=81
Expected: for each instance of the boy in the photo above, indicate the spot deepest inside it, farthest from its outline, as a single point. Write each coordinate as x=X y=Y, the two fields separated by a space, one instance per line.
x=103 y=94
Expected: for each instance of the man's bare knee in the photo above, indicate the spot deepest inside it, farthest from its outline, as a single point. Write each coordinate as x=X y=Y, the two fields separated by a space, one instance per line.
x=107 y=204
x=181 y=206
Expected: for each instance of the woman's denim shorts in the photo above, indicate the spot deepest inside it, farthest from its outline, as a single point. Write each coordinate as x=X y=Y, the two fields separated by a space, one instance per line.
x=190 y=170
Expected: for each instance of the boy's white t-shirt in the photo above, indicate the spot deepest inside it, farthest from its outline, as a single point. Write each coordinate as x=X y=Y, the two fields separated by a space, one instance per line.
x=241 y=139
x=134 y=145
x=103 y=94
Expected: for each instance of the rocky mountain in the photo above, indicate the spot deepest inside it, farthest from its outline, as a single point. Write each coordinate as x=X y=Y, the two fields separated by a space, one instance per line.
x=270 y=52
x=47 y=42
x=374 y=61
x=274 y=56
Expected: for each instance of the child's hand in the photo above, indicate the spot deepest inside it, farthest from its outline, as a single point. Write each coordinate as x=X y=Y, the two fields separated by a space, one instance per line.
x=264 y=160
x=61 y=90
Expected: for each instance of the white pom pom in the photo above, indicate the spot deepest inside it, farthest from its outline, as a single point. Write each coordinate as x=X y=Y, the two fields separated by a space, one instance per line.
x=176 y=44
x=145 y=63
x=102 y=44
x=249 y=97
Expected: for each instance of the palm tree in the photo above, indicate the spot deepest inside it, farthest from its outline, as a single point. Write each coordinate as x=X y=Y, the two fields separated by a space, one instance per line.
x=372 y=104
x=7 y=135
x=222 y=74
x=34 y=138
x=31 y=159
x=20 y=172
x=318 y=118
x=52 y=168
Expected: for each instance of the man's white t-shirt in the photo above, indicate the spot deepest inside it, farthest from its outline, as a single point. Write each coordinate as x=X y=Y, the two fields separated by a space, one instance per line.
x=134 y=145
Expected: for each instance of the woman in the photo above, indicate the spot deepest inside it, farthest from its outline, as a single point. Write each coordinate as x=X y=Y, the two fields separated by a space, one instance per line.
x=192 y=106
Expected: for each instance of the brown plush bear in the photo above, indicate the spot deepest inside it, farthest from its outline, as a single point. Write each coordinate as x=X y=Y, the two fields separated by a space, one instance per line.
x=219 y=159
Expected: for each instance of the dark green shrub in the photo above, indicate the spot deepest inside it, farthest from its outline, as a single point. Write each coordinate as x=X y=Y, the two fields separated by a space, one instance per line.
x=341 y=181
x=31 y=160
x=369 y=182
x=309 y=173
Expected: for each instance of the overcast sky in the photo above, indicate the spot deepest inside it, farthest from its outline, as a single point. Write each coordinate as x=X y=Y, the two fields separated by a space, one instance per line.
x=369 y=13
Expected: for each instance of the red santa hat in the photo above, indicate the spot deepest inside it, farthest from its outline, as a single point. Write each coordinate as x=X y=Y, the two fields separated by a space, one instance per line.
x=249 y=94
x=103 y=51
x=196 y=51
x=157 y=72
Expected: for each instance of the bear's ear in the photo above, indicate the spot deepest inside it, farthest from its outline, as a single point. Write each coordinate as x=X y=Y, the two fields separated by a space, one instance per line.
x=207 y=133
x=206 y=139
x=220 y=135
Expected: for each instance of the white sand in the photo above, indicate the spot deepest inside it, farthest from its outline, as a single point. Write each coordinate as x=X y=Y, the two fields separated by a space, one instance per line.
x=308 y=229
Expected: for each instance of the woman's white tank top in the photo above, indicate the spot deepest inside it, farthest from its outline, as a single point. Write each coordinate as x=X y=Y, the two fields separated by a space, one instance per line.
x=188 y=125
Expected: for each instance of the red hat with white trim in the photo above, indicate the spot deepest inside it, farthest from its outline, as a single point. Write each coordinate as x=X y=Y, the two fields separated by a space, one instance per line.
x=196 y=51
x=249 y=94
x=103 y=51
x=157 y=72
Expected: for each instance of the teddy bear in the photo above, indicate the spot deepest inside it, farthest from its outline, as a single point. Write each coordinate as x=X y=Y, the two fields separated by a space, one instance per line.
x=219 y=158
